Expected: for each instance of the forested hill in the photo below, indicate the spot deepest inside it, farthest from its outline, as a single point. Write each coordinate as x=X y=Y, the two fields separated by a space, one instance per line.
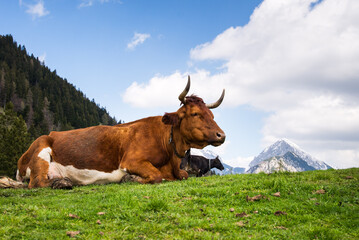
x=45 y=100
x=34 y=101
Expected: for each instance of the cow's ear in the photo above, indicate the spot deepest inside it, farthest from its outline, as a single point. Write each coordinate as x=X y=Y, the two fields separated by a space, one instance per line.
x=171 y=119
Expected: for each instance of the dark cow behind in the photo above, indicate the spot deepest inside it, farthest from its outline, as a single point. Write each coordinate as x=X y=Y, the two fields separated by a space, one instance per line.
x=198 y=165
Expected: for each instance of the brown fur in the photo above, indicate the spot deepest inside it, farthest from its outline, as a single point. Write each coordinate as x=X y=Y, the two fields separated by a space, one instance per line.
x=141 y=147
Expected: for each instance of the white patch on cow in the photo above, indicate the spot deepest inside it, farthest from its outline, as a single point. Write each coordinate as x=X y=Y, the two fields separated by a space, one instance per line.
x=18 y=177
x=55 y=171
x=28 y=173
x=45 y=154
x=22 y=178
x=84 y=176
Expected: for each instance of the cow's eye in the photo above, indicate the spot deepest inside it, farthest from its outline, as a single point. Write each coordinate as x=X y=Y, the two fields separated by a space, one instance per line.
x=194 y=114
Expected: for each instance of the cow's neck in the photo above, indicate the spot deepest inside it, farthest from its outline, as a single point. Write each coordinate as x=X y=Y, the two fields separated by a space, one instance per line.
x=178 y=145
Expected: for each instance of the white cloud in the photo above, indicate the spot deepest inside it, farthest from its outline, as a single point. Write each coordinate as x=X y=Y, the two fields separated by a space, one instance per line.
x=289 y=49
x=138 y=38
x=42 y=58
x=153 y=93
x=323 y=117
x=299 y=61
x=239 y=162
x=342 y=158
x=90 y=3
x=36 y=10
x=86 y=3
x=161 y=89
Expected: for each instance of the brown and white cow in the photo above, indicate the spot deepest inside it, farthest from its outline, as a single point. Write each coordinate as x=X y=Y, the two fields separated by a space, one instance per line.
x=150 y=148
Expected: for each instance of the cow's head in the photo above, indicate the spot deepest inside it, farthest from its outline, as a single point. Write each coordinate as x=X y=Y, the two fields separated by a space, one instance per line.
x=196 y=121
x=216 y=163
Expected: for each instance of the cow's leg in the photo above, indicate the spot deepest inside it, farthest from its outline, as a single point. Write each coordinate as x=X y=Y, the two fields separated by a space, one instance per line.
x=177 y=172
x=41 y=177
x=39 y=169
x=35 y=164
x=167 y=172
x=143 y=169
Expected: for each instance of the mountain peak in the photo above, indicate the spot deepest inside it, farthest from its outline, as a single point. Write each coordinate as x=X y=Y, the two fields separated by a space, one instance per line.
x=279 y=148
x=288 y=142
x=283 y=146
x=284 y=142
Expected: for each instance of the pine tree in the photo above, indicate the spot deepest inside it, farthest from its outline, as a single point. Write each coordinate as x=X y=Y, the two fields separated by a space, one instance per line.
x=14 y=140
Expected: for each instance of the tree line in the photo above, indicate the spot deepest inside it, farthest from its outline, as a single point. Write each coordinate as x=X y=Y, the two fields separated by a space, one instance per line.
x=34 y=101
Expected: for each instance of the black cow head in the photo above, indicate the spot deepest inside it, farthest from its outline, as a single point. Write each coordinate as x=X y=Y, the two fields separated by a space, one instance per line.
x=216 y=163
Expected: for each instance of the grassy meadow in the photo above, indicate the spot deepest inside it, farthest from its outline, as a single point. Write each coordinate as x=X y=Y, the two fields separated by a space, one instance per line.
x=309 y=205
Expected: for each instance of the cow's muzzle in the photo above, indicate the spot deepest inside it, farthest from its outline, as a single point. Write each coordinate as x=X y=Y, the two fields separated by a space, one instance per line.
x=219 y=139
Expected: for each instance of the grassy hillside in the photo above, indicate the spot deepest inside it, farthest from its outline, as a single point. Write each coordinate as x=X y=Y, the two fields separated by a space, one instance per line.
x=214 y=207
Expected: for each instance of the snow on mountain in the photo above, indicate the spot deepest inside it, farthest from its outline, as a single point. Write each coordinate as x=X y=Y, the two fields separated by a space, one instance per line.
x=270 y=165
x=283 y=146
x=289 y=162
x=204 y=153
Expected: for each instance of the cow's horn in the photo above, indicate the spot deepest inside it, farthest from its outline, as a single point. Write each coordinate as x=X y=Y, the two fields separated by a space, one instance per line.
x=182 y=96
x=219 y=101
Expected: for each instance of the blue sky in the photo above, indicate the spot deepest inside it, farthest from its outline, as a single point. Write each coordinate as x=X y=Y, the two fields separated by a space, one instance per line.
x=290 y=68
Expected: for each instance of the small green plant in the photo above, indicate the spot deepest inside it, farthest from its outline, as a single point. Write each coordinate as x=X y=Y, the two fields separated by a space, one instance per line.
x=156 y=206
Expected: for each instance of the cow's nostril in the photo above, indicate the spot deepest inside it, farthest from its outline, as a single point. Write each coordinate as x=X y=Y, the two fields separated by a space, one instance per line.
x=220 y=136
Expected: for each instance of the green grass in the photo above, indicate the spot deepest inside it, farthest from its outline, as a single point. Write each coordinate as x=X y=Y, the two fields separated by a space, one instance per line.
x=198 y=208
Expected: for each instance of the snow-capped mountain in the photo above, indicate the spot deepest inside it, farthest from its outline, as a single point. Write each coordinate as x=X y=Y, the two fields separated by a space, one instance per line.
x=283 y=146
x=289 y=162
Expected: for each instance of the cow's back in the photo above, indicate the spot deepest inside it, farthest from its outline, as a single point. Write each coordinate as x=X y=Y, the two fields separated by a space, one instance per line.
x=89 y=148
